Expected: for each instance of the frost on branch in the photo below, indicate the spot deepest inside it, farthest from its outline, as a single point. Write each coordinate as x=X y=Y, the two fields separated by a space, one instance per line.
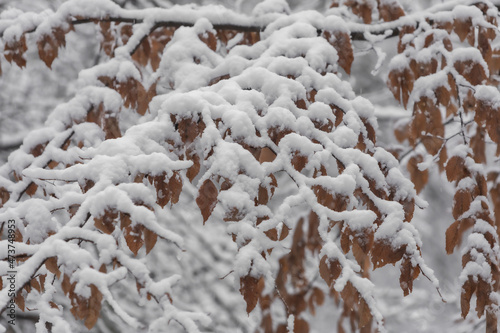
x=205 y=126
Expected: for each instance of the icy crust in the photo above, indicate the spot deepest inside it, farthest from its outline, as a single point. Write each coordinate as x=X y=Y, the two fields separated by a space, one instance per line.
x=238 y=113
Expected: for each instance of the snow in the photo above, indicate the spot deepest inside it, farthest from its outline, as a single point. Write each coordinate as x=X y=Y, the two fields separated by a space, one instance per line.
x=271 y=6
x=489 y=95
x=257 y=96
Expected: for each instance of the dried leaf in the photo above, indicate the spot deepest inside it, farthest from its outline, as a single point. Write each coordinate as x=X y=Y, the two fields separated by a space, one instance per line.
x=108 y=40
x=251 y=288
x=383 y=254
x=106 y=222
x=94 y=307
x=150 y=238
x=300 y=326
x=419 y=178
x=462 y=201
x=455 y=169
x=298 y=161
x=51 y=265
x=207 y=199
x=463 y=27
x=468 y=289
x=478 y=146
x=175 y=187
x=365 y=315
x=131 y=233
x=31 y=189
x=363 y=9
x=19 y=299
x=471 y=71
x=266 y=155
x=209 y=39
x=4 y=196
x=142 y=53
x=35 y=284
x=341 y=41
x=48 y=45
x=193 y=171
x=483 y=292
x=14 y=50
x=329 y=270
x=390 y=11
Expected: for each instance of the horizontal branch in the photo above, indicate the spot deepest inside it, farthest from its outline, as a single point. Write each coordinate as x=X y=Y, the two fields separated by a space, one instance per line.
x=355 y=35
x=175 y=24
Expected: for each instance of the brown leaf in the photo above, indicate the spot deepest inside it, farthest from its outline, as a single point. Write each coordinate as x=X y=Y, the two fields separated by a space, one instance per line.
x=42 y=281
x=51 y=265
x=111 y=128
x=300 y=326
x=462 y=28
x=276 y=133
x=471 y=71
x=400 y=83
x=163 y=193
x=298 y=161
x=478 y=146
x=193 y=171
x=390 y=11
x=89 y=183
x=105 y=223
x=284 y=232
x=455 y=169
x=35 y=284
x=209 y=39
x=266 y=155
x=462 y=201
x=365 y=315
x=19 y=299
x=4 y=196
x=419 y=178
x=468 y=289
x=48 y=45
x=409 y=208
x=94 y=306
x=341 y=41
x=142 y=53
x=383 y=254
x=108 y=40
x=483 y=292
x=175 y=187
x=14 y=50
x=362 y=9
x=329 y=270
x=207 y=199
x=189 y=129
x=251 y=288
x=38 y=149
x=406 y=277
x=31 y=189
x=272 y=234
x=131 y=233
x=150 y=238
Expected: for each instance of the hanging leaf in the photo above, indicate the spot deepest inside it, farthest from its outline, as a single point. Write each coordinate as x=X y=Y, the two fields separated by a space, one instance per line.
x=51 y=265
x=341 y=41
x=14 y=51
x=150 y=238
x=94 y=302
x=207 y=199
x=48 y=45
x=251 y=288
